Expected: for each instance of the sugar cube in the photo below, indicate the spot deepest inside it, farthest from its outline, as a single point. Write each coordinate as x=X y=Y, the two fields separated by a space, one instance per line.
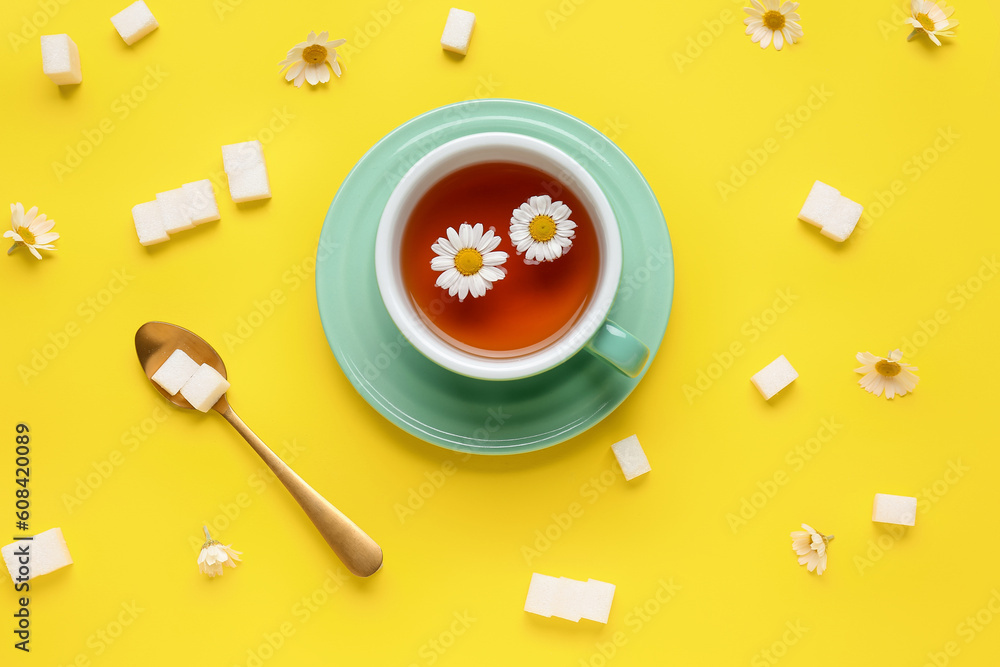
x=900 y=510
x=249 y=184
x=542 y=592
x=631 y=457
x=149 y=223
x=174 y=209
x=821 y=203
x=45 y=553
x=204 y=388
x=597 y=606
x=833 y=213
x=569 y=599
x=175 y=371
x=242 y=155
x=134 y=22
x=247 y=171
x=61 y=60
x=458 y=31
x=844 y=219
x=774 y=377
x=200 y=201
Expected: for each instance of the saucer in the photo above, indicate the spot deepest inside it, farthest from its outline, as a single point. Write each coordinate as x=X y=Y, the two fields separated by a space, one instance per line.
x=456 y=412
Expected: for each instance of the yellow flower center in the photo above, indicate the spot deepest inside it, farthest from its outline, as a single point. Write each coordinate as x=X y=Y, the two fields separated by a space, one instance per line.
x=888 y=368
x=542 y=228
x=926 y=22
x=468 y=261
x=26 y=235
x=314 y=54
x=774 y=20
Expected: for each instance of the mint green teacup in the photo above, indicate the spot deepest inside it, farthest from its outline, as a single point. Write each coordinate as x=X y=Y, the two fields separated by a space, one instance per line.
x=592 y=331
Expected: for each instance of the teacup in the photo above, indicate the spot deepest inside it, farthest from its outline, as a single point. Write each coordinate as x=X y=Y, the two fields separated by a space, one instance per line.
x=589 y=330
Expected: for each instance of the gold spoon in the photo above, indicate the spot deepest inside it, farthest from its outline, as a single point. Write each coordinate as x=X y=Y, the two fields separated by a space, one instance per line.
x=155 y=341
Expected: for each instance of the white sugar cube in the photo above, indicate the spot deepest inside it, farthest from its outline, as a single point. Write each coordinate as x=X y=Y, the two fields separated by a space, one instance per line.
x=820 y=205
x=201 y=204
x=249 y=184
x=174 y=209
x=61 y=60
x=236 y=157
x=46 y=552
x=774 y=377
x=631 y=458
x=597 y=606
x=247 y=171
x=134 y=22
x=204 y=388
x=149 y=223
x=900 y=510
x=542 y=592
x=843 y=220
x=833 y=213
x=175 y=371
x=571 y=598
x=458 y=31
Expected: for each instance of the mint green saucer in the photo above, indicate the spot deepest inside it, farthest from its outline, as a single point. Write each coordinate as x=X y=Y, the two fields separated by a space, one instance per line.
x=441 y=407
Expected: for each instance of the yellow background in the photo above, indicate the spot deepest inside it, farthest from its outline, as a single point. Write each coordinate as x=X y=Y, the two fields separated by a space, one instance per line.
x=888 y=597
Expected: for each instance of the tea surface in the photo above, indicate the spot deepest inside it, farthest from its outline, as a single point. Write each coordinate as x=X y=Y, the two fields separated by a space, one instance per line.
x=534 y=304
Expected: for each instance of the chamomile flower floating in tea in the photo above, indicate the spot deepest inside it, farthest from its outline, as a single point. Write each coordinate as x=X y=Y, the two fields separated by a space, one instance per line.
x=541 y=229
x=30 y=230
x=468 y=260
x=215 y=554
x=933 y=18
x=886 y=374
x=770 y=20
x=307 y=60
x=811 y=547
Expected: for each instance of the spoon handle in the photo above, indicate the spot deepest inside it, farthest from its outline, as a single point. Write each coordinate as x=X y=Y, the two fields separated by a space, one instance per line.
x=360 y=553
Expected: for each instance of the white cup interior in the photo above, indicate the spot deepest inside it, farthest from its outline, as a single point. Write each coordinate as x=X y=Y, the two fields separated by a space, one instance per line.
x=464 y=152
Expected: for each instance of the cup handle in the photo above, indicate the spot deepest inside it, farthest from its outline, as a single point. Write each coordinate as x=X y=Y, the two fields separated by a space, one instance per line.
x=619 y=348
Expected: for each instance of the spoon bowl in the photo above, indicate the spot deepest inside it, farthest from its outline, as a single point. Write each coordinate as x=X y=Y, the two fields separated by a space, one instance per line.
x=155 y=342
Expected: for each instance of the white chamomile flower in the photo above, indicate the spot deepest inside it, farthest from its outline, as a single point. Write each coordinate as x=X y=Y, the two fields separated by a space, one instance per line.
x=770 y=21
x=886 y=374
x=307 y=61
x=468 y=260
x=931 y=17
x=811 y=548
x=214 y=555
x=30 y=230
x=541 y=229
